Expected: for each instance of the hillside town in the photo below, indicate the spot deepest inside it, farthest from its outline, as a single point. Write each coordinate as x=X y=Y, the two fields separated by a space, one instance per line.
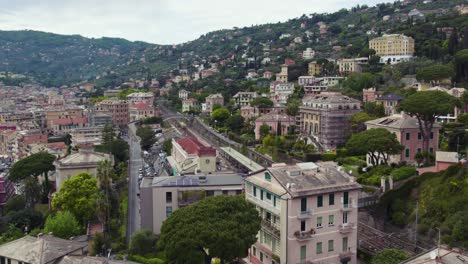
x=298 y=149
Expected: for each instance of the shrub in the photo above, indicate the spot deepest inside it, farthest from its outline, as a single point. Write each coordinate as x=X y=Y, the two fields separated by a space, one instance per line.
x=329 y=156
x=403 y=173
x=144 y=260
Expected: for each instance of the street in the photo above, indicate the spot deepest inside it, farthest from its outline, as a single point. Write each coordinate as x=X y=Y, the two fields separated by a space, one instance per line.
x=135 y=163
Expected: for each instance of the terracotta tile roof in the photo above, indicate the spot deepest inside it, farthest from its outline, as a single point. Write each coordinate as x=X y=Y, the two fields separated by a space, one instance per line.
x=68 y=121
x=141 y=105
x=193 y=146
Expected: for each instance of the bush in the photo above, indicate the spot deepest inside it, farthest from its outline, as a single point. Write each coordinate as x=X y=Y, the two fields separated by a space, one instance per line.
x=403 y=173
x=144 y=260
x=63 y=225
x=329 y=156
x=142 y=243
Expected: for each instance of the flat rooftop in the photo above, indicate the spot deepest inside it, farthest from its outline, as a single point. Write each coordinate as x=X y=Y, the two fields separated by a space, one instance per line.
x=245 y=161
x=193 y=180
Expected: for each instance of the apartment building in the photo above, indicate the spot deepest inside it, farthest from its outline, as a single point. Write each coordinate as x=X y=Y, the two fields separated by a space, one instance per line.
x=315 y=69
x=389 y=102
x=309 y=214
x=66 y=112
x=211 y=100
x=281 y=91
x=140 y=111
x=282 y=76
x=87 y=135
x=160 y=196
x=118 y=109
x=326 y=117
x=183 y=94
x=135 y=98
x=244 y=98
x=307 y=80
x=278 y=123
x=393 y=48
x=406 y=129
x=190 y=104
x=347 y=66
x=190 y=156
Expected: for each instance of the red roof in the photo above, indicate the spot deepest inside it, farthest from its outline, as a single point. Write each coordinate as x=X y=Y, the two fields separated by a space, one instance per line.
x=57 y=145
x=141 y=105
x=68 y=121
x=193 y=146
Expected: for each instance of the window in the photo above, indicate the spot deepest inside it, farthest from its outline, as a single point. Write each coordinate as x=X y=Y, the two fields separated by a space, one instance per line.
x=330 y=245
x=345 y=244
x=261 y=195
x=331 y=220
x=419 y=136
x=319 y=248
x=303 y=253
x=407 y=136
x=345 y=217
x=431 y=150
x=268 y=196
x=225 y=192
x=419 y=150
x=432 y=135
x=274 y=200
x=319 y=201
x=209 y=193
x=303 y=204
x=331 y=199
x=254 y=251
x=168 y=197
x=319 y=222
x=303 y=225
x=267 y=176
x=261 y=256
x=406 y=153
x=255 y=191
x=168 y=211
x=268 y=216
x=238 y=191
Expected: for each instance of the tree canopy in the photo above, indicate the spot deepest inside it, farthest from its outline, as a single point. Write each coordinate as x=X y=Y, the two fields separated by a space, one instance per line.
x=262 y=102
x=378 y=143
x=220 y=115
x=220 y=226
x=390 y=256
x=33 y=165
x=143 y=242
x=78 y=195
x=147 y=137
x=63 y=225
x=435 y=73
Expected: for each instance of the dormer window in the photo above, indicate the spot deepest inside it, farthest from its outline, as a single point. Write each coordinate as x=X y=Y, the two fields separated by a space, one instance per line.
x=267 y=177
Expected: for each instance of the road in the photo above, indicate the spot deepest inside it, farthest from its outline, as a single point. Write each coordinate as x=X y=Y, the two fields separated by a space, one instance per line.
x=135 y=163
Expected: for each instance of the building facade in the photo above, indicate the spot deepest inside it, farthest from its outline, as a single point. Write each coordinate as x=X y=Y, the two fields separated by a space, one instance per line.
x=135 y=98
x=140 y=111
x=309 y=214
x=406 y=129
x=346 y=66
x=278 y=123
x=118 y=109
x=160 y=196
x=315 y=69
x=189 y=156
x=244 y=98
x=282 y=76
x=393 y=48
x=326 y=117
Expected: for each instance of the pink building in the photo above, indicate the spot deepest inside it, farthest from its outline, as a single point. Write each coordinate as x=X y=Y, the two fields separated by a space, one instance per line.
x=406 y=129
x=289 y=61
x=277 y=122
x=369 y=95
x=309 y=214
x=307 y=80
x=267 y=74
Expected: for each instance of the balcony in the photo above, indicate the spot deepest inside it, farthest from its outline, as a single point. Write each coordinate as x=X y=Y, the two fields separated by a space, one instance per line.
x=345 y=228
x=304 y=235
x=262 y=203
x=347 y=207
x=304 y=214
x=345 y=256
x=273 y=228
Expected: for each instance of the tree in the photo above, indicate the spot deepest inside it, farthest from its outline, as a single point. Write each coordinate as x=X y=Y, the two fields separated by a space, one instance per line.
x=143 y=242
x=147 y=137
x=108 y=136
x=358 y=81
x=390 y=256
x=32 y=191
x=435 y=73
x=374 y=109
x=461 y=64
x=63 y=225
x=378 y=143
x=235 y=123
x=264 y=130
x=292 y=106
x=78 y=195
x=119 y=149
x=220 y=115
x=167 y=146
x=221 y=226
x=426 y=106
x=262 y=102
x=34 y=165
x=358 y=121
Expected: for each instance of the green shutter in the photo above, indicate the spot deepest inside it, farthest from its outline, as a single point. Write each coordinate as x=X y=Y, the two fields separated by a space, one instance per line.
x=319 y=201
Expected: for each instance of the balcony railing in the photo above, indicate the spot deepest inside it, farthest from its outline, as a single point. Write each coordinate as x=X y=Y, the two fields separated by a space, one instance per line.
x=275 y=229
x=348 y=206
x=263 y=203
x=304 y=235
x=346 y=255
x=345 y=228
x=304 y=214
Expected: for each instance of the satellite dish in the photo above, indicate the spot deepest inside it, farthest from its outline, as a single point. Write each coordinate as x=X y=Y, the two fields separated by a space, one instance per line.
x=433 y=255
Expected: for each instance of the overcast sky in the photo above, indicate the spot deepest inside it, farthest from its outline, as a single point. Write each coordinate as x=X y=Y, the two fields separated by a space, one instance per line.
x=155 y=21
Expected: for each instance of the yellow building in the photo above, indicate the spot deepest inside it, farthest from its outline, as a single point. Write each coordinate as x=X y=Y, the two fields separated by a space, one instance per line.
x=315 y=69
x=393 y=48
x=283 y=75
x=346 y=66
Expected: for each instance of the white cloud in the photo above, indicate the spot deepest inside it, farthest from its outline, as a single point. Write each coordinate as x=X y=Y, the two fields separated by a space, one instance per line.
x=156 y=21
